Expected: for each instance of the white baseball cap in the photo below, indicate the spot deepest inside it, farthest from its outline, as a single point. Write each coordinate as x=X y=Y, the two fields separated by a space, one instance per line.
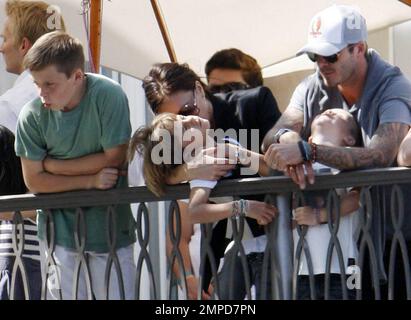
x=334 y=28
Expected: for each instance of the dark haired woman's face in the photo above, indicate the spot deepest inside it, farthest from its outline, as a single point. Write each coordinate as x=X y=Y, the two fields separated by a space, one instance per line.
x=185 y=103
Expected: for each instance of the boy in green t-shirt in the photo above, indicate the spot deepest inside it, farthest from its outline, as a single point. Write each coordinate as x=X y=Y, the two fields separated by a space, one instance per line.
x=74 y=137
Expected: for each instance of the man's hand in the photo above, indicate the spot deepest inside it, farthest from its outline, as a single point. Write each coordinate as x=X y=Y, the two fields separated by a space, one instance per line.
x=290 y=137
x=300 y=173
x=279 y=156
x=287 y=158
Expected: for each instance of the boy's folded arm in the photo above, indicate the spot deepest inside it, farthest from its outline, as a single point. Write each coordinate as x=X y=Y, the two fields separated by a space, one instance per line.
x=87 y=165
x=39 y=181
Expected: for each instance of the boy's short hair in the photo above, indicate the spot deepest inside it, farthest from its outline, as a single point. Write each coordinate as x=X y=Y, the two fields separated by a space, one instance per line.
x=237 y=60
x=55 y=48
x=30 y=19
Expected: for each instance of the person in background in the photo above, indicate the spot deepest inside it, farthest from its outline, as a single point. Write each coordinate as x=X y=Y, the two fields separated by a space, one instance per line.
x=232 y=69
x=25 y=22
x=11 y=183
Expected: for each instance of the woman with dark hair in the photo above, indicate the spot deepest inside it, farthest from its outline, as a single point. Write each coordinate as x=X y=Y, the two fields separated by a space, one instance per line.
x=11 y=182
x=249 y=114
x=175 y=88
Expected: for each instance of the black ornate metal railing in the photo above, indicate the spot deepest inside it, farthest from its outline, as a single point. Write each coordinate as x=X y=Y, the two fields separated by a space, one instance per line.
x=281 y=260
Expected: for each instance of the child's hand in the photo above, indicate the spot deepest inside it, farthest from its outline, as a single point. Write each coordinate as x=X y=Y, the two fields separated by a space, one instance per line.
x=207 y=166
x=192 y=286
x=306 y=216
x=261 y=211
x=106 y=178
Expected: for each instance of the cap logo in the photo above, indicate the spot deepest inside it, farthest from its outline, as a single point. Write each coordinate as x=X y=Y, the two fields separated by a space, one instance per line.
x=315 y=28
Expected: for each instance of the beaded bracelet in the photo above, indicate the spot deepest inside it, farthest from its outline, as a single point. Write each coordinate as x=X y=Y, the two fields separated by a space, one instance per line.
x=313 y=152
x=240 y=208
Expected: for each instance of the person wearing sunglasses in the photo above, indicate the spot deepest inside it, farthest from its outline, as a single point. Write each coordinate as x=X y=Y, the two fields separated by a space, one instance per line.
x=348 y=76
x=175 y=88
x=351 y=76
x=231 y=69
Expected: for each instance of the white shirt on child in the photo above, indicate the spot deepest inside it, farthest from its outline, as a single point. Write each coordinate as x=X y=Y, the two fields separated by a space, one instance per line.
x=318 y=238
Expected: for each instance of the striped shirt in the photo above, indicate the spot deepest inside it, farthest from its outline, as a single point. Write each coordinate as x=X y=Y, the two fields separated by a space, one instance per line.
x=31 y=242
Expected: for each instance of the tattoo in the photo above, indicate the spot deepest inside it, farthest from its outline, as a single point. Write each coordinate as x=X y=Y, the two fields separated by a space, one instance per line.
x=381 y=152
x=292 y=118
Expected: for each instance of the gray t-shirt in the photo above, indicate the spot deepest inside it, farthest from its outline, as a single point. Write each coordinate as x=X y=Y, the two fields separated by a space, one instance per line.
x=386 y=98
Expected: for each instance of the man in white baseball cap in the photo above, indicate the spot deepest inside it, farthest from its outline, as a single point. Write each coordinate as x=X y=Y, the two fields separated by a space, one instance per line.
x=348 y=76
x=333 y=29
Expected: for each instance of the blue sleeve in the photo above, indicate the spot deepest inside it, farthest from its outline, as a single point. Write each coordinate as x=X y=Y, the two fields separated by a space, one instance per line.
x=394 y=110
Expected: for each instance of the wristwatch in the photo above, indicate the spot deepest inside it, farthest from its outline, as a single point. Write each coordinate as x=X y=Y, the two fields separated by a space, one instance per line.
x=279 y=133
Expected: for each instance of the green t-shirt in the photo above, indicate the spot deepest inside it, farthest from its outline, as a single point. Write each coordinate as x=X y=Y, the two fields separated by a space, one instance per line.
x=100 y=121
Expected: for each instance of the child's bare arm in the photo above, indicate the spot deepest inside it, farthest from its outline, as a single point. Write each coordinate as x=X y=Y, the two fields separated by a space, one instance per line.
x=349 y=203
x=203 y=212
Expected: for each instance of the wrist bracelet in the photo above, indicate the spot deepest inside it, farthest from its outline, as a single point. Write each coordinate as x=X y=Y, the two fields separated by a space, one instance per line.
x=189 y=273
x=240 y=208
x=305 y=150
x=313 y=152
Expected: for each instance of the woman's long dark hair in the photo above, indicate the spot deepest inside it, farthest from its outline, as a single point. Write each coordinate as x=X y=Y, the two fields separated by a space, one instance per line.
x=11 y=175
x=165 y=79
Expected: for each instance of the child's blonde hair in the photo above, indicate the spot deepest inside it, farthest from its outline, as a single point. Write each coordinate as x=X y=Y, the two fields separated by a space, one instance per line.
x=143 y=141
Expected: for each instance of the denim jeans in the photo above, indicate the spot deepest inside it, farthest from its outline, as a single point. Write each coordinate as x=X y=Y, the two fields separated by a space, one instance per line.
x=33 y=272
x=238 y=286
x=335 y=293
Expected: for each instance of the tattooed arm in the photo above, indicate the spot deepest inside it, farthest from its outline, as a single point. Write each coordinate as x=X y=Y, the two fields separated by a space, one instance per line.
x=381 y=152
x=292 y=119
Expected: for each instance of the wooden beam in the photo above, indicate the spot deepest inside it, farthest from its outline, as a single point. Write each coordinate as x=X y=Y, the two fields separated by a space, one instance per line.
x=407 y=2
x=164 y=32
x=95 y=33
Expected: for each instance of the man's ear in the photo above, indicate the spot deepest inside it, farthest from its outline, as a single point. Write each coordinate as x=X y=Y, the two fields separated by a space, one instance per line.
x=25 y=45
x=349 y=141
x=361 y=48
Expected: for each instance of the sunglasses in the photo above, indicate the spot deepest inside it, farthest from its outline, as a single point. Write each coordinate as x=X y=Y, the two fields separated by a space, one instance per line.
x=227 y=87
x=330 y=59
x=190 y=109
